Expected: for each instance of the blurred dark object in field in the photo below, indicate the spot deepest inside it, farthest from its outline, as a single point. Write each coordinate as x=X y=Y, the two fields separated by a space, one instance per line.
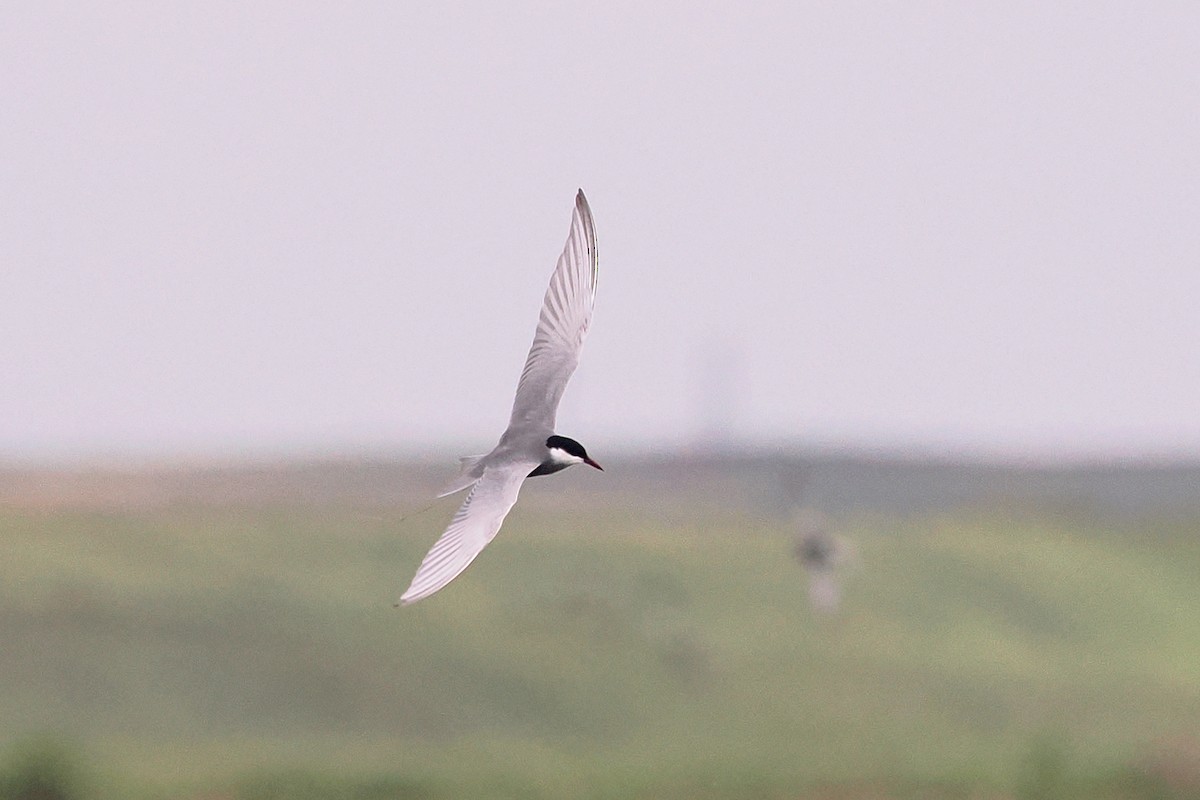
x=822 y=555
x=41 y=768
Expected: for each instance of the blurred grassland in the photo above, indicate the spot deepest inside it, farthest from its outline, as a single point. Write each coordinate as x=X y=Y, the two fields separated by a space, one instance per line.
x=253 y=651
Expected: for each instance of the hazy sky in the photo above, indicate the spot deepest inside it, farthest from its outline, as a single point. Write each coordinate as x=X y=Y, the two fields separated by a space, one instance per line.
x=261 y=227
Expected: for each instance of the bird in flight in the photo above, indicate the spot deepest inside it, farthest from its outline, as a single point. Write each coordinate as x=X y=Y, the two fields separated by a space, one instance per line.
x=529 y=446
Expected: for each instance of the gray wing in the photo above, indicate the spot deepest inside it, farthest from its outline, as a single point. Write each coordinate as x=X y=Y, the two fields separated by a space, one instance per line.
x=475 y=524
x=563 y=324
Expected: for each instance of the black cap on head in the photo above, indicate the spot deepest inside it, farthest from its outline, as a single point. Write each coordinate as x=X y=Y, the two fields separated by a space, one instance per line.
x=569 y=445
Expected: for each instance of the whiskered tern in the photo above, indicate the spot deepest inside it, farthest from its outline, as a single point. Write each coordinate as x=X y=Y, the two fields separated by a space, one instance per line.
x=529 y=446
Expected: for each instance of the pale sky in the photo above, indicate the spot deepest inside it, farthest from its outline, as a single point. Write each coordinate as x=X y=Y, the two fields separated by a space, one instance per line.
x=248 y=228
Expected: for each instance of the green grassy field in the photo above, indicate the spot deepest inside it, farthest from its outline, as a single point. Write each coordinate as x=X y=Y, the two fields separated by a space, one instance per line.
x=255 y=653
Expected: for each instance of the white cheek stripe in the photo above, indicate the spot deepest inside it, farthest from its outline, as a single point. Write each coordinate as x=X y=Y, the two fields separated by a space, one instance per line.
x=560 y=456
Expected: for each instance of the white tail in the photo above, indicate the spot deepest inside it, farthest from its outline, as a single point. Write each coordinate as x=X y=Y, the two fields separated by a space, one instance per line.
x=469 y=473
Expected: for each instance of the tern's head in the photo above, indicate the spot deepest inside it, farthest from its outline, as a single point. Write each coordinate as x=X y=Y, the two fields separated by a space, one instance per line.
x=567 y=451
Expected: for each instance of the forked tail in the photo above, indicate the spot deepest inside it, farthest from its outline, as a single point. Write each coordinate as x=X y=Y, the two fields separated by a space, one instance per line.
x=469 y=473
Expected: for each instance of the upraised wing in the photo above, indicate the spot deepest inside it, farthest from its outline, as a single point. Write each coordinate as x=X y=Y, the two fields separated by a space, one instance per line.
x=475 y=524
x=563 y=324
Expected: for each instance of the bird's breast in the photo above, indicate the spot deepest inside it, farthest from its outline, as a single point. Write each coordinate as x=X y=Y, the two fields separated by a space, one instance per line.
x=548 y=467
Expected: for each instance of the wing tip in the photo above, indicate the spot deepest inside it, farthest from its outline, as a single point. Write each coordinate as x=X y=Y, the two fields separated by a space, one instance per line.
x=584 y=212
x=413 y=594
x=426 y=588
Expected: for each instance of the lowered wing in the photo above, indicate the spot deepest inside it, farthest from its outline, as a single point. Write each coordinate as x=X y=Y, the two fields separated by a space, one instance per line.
x=475 y=524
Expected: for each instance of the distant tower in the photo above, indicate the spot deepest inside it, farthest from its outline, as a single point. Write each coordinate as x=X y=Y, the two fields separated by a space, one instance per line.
x=720 y=382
